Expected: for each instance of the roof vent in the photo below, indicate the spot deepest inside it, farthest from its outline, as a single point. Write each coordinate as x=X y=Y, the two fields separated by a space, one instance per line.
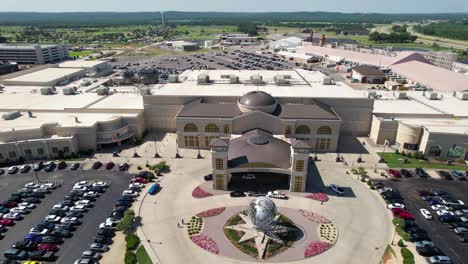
x=47 y=91
x=327 y=81
x=402 y=95
x=102 y=90
x=233 y=79
x=432 y=96
x=462 y=95
x=173 y=78
x=68 y=91
x=256 y=79
x=203 y=79
x=11 y=115
x=281 y=80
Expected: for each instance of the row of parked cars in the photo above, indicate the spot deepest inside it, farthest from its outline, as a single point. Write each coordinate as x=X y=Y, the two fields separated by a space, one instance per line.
x=110 y=165
x=248 y=60
x=453 y=175
x=449 y=211
x=22 y=202
x=424 y=246
x=47 y=166
x=106 y=231
x=419 y=172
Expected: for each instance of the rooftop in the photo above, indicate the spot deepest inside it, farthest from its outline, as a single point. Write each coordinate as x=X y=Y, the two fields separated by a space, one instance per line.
x=45 y=75
x=24 y=46
x=81 y=64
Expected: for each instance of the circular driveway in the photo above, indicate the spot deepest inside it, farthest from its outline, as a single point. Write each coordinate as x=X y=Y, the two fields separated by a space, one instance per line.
x=362 y=220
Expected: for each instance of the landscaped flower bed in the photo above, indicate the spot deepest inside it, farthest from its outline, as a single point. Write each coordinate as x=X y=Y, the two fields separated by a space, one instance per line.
x=206 y=243
x=321 y=197
x=314 y=217
x=212 y=212
x=316 y=247
x=200 y=193
x=195 y=226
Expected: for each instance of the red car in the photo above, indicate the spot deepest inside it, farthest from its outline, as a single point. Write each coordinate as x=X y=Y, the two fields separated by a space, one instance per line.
x=8 y=204
x=48 y=247
x=405 y=215
x=110 y=165
x=7 y=222
x=396 y=211
x=394 y=173
x=140 y=180
x=425 y=193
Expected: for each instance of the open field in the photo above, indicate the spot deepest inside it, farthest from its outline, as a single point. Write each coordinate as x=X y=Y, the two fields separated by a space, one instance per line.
x=80 y=53
x=201 y=32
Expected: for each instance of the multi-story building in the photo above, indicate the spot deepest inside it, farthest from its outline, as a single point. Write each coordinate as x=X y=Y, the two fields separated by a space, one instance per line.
x=33 y=54
x=443 y=59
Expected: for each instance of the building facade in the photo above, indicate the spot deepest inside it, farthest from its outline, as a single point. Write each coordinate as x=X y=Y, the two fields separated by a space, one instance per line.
x=33 y=54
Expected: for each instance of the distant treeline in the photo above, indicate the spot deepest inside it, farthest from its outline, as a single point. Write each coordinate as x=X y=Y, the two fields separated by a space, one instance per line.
x=207 y=18
x=452 y=30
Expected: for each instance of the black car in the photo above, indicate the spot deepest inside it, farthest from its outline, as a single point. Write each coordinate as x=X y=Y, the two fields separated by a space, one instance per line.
x=126 y=198
x=62 y=233
x=50 y=166
x=123 y=167
x=73 y=198
x=406 y=173
x=52 y=240
x=62 y=165
x=456 y=224
x=67 y=203
x=391 y=195
x=97 y=165
x=463 y=237
x=25 y=245
x=448 y=218
x=108 y=232
x=66 y=226
x=37 y=194
x=428 y=251
x=58 y=212
x=415 y=230
x=103 y=240
x=208 y=177
x=145 y=175
x=445 y=175
x=419 y=237
x=74 y=166
x=237 y=194
x=76 y=214
x=421 y=173
x=123 y=203
x=16 y=254
x=38 y=166
x=117 y=214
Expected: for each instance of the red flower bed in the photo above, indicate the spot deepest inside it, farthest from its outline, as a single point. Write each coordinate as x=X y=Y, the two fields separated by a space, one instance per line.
x=316 y=247
x=206 y=243
x=211 y=212
x=321 y=197
x=314 y=217
x=200 y=193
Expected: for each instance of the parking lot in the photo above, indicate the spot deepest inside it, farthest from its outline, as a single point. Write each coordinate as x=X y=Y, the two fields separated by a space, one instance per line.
x=443 y=237
x=73 y=247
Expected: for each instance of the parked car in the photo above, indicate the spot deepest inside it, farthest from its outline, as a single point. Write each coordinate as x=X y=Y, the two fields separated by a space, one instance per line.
x=130 y=193
x=406 y=173
x=418 y=237
x=97 y=247
x=457 y=175
x=74 y=166
x=425 y=213
x=42 y=255
x=208 y=177
x=421 y=173
x=91 y=255
x=139 y=180
x=154 y=189
x=444 y=175
x=277 y=195
x=62 y=165
x=123 y=167
x=97 y=165
x=237 y=194
x=12 y=170
x=25 y=168
x=147 y=175
x=16 y=254
x=463 y=237
x=439 y=260
x=336 y=188
x=7 y=222
x=49 y=166
x=110 y=165
x=25 y=245
x=428 y=251
x=394 y=173
x=396 y=205
x=48 y=247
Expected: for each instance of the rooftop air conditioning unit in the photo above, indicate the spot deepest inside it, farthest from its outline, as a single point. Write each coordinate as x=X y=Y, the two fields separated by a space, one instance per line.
x=432 y=95
x=256 y=79
x=47 y=91
x=102 y=90
x=11 y=115
x=371 y=94
x=281 y=80
x=203 y=79
x=462 y=95
x=233 y=79
x=402 y=95
x=173 y=78
x=68 y=91
x=327 y=81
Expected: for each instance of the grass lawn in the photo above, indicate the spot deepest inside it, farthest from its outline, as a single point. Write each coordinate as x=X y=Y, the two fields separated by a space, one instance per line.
x=80 y=53
x=142 y=256
x=394 y=160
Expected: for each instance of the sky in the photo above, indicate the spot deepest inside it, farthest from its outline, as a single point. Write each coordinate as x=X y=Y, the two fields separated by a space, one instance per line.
x=347 y=6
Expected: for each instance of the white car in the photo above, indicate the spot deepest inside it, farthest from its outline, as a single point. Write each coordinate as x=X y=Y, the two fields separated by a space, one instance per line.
x=438 y=207
x=12 y=216
x=464 y=219
x=277 y=195
x=19 y=210
x=78 y=208
x=460 y=230
x=107 y=225
x=31 y=185
x=424 y=243
x=248 y=177
x=61 y=207
x=396 y=205
x=86 y=203
x=444 y=212
x=130 y=193
x=69 y=220
x=80 y=188
x=101 y=184
x=91 y=194
x=112 y=220
x=439 y=260
x=35 y=231
x=384 y=189
x=48 y=186
x=53 y=218
x=426 y=214
x=28 y=205
x=83 y=183
x=12 y=170
x=461 y=212
x=41 y=190
x=337 y=189
x=136 y=185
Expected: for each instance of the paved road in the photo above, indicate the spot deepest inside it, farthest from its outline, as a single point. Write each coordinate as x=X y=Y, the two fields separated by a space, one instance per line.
x=72 y=248
x=442 y=236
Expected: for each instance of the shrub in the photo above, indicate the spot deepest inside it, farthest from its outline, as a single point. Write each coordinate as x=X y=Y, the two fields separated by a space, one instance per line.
x=408 y=257
x=126 y=221
x=409 y=155
x=370 y=183
x=147 y=165
x=405 y=236
x=132 y=241
x=139 y=167
x=403 y=153
x=130 y=257
x=398 y=222
x=397 y=151
x=400 y=243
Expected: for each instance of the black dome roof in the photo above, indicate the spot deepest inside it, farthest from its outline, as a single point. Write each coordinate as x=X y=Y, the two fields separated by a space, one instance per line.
x=257 y=99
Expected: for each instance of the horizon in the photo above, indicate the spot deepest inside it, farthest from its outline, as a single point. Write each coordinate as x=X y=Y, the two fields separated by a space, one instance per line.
x=241 y=6
x=241 y=12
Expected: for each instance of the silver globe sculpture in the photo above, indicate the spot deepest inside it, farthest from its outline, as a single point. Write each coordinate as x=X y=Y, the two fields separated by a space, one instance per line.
x=264 y=215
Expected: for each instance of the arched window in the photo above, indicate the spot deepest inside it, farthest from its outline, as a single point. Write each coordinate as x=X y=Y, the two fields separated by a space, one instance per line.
x=190 y=128
x=303 y=130
x=324 y=130
x=455 y=152
x=435 y=151
x=211 y=128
